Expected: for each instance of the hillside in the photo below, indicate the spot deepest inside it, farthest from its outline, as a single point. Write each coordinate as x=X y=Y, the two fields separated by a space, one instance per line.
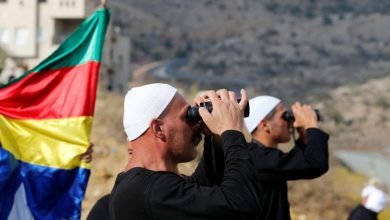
x=357 y=117
x=288 y=48
x=353 y=115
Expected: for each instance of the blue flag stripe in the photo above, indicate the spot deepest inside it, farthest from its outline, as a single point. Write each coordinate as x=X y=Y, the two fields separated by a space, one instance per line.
x=10 y=180
x=50 y=192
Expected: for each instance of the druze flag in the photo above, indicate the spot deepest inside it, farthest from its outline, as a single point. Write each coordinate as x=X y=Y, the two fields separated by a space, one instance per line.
x=45 y=123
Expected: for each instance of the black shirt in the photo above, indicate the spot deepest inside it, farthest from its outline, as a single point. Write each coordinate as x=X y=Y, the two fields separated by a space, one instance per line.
x=144 y=194
x=362 y=213
x=99 y=211
x=275 y=168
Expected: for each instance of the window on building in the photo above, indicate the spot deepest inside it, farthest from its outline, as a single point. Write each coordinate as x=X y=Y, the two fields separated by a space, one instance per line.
x=4 y=36
x=40 y=36
x=21 y=36
x=63 y=28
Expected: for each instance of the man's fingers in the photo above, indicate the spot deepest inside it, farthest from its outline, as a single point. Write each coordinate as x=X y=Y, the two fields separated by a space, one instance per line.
x=197 y=100
x=206 y=115
x=213 y=96
x=244 y=100
x=223 y=94
x=202 y=96
x=232 y=97
x=227 y=113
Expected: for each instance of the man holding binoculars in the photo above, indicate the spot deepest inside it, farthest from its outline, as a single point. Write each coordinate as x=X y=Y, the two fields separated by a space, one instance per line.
x=161 y=136
x=270 y=124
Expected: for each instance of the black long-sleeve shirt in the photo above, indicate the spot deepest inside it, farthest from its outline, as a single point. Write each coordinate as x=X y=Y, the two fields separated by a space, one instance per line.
x=275 y=168
x=144 y=194
x=100 y=210
x=362 y=213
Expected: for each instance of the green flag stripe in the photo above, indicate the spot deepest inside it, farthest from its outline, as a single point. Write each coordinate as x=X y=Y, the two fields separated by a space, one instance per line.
x=77 y=48
x=85 y=44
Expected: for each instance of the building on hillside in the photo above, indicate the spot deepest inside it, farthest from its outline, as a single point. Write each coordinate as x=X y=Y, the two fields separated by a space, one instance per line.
x=119 y=62
x=30 y=30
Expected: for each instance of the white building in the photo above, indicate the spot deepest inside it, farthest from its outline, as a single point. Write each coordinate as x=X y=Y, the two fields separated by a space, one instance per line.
x=32 y=29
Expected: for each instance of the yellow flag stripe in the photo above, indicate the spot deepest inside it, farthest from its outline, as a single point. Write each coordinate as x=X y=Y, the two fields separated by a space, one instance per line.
x=56 y=143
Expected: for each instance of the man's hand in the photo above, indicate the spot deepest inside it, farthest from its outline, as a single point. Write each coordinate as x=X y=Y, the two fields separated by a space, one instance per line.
x=227 y=114
x=198 y=99
x=87 y=156
x=305 y=116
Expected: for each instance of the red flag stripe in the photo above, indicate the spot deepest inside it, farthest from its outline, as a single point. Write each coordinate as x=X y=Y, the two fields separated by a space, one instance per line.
x=51 y=94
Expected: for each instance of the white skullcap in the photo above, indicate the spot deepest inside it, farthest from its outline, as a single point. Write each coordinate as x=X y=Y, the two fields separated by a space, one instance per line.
x=376 y=200
x=260 y=107
x=367 y=190
x=144 y=103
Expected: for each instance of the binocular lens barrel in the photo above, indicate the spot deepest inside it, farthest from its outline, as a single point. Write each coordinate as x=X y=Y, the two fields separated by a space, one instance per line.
x=193 y=112
x=289 y=116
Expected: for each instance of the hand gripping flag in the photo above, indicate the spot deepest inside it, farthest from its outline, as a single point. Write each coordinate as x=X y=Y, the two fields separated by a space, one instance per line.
x=45 y=123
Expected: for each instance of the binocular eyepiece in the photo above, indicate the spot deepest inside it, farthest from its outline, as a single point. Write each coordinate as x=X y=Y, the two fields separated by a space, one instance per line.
x=193 y=112
x=289 y=116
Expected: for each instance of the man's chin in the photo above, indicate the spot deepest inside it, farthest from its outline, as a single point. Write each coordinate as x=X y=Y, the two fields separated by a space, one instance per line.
x=288 y=140
x=189 y=158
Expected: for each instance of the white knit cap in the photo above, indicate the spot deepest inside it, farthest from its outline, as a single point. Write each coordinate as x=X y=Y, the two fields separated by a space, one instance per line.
x=144 y=103
x=260 y=107
x=367 y=190
x=376 y=200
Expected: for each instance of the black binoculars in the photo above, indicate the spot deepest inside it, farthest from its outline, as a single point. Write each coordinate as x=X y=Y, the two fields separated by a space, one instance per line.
x=193 y=112
x=289 y=116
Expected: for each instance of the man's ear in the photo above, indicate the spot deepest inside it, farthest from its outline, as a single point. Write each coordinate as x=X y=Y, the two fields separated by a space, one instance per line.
x=264 y=125
x=157 y=127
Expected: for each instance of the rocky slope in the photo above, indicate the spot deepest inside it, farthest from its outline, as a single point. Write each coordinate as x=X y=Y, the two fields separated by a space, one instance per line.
x=288 y=48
